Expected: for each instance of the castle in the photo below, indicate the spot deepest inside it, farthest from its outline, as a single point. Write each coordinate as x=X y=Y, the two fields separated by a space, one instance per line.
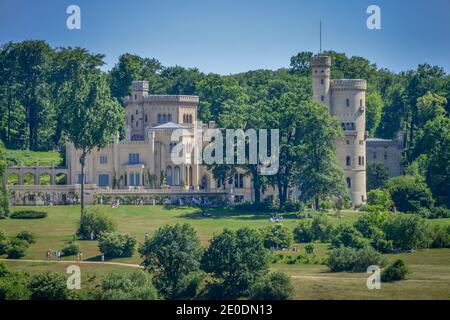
x=141 y=166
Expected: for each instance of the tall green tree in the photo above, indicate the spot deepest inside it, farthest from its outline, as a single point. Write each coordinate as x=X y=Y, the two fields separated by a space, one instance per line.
x=90 y=117
x=374 y=106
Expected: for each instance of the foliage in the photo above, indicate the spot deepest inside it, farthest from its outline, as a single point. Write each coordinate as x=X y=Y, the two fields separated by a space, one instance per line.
x=276 y=236
x=439 y=236
x=409 y=195
x=395 y=271
x=27 y=236
x=379 y=197
x=406 y=231
x=48 y=286
x=115 y=245
x=377 y=176
x=71 y=249
x=348 y=236
x=128 y=286
x=13 y=286
x=273 y=286
x=189 y=286
x=351 y=259
x=171 y=254
x=319 y=228
x=4 y=243
x=28 y=214
x=16 y=248
x=236 y=259
x=96 y=222
x=374 y=106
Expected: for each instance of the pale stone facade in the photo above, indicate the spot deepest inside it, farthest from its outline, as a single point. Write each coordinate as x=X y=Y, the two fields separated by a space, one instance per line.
x=346 y=100
x=387 y=152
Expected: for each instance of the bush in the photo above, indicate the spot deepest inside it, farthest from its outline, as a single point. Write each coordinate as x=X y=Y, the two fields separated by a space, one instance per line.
x=17 y=248
x=48 y=286
x=351 y=259
x=93 y=221
x=116 y=245
x=439 y=212
x=293 y=206
x=4 y=243
x=188 y=287
x=3 y=270
x=379 y=197
x=371 y=221
x=71 y=249
x=274 y=286
x=341 y=259
x=4 y=202
x=348 y=236
x=276 y=236
x=394 y=272
x=406 y=231
x=309 y=248
x=302 y=232
x=319 y=228
x=13 y=286
x=128 y=286
x=28 y=214
x=409 y=195
x=27 y=236
x=439 y=236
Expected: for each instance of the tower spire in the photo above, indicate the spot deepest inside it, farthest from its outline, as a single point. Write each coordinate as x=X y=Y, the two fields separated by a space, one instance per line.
x=320 y=37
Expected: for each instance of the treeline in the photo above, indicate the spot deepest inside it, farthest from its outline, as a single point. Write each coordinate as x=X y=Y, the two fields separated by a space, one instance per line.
x=415 y=102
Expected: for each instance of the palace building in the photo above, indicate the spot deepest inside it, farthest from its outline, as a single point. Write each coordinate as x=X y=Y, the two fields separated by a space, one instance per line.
x=140 y=165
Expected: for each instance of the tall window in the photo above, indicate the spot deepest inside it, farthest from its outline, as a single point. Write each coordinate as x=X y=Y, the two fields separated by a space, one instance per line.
x=135 y=179
x=133 y=158
x=103 y=159
x=80 y=178
x=322 y=98
x=347 y=102
x=176 y=176
x=169 y=176
x=349 y=183
x=348 y=161
x=241 y=180
x=103 y=180
x=236 y=180
x=360 y=102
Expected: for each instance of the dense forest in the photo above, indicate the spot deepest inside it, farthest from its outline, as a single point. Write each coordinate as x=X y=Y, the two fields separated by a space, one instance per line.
x=416 y=102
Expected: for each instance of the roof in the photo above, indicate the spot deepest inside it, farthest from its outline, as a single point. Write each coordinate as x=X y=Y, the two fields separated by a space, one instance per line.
x=378 y=140
x=170 y=125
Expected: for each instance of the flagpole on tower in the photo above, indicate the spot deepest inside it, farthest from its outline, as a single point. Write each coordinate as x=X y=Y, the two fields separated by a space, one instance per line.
x=320 y=37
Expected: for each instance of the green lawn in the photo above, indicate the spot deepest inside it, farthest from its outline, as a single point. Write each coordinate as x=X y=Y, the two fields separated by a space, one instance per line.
x=429 y=279
x=30 y=158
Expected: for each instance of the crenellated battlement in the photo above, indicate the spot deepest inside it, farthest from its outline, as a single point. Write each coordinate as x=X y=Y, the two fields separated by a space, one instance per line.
x=320 y=61
x=163 y=98
x=348 y=84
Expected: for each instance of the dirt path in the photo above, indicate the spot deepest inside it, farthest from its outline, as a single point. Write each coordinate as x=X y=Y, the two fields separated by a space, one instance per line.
x=79 y=262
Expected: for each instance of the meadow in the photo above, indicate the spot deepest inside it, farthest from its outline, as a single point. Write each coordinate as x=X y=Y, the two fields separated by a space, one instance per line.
x=429 y=277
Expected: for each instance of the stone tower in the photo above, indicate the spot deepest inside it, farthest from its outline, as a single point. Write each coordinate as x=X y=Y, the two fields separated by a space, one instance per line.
x=346 y=100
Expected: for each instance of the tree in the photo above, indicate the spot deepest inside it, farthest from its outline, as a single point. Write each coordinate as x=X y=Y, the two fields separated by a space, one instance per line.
x=377 y=176
x=395 y=271
x=374 y=105
x=94 y=222
x=237 y=259
x=409 y=195
x=406 y=231
x=172 y=253
x=4 y=201
x=128 y=286
x=48 y=286
x=115 y=245
x=277 y=236
x=348 y=236
x=274 y=286
x=91 y=118
x=300 y=63
x=379 y=197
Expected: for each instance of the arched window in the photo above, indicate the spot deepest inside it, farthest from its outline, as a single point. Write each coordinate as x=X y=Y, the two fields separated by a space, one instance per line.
x=236 y=180
x=169 y=175
x=190 y=176
x=349 y=183
x=164 y=118
x=190 y=118
x=348 y=161
x=241 y=180
x=176 y=176
x=169 y=117
x=159 y=118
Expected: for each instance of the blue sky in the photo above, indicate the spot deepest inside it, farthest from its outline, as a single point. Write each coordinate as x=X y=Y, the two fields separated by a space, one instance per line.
x=233 y=36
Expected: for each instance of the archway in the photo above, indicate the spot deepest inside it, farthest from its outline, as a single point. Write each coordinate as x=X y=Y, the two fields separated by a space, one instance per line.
x=61 y=179
x=29 y=179
x=13 y=179
x=45 y=179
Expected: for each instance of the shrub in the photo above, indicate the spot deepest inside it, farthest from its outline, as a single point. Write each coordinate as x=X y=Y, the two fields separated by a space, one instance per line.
x=409 y=195
x=3 y=270
x=439 y=212
x=28 y=214
x=406 y=231
x=17 y=248
x=293 y=206
x=371 y=221
x=439 y=236
x=341 y=259
x=71 y=249
x=4 y=243
x=13 y=286
x=93 y=221
x=348 y=236
x=113 y=244
x=128 y=286
x=379 y=197
x=274 y=286
x=48 y=286
x=4 y=202
x=302 y=232
x=276 y=236
x=27 y=236
x=309 y=248
x=366 y=257
x=351 y=259
x=394 y=272
x=188 y=287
